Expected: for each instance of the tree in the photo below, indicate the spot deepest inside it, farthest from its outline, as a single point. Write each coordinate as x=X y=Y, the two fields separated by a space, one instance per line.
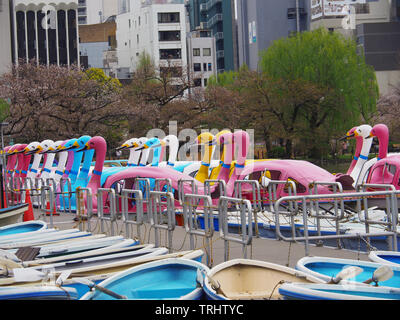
x=157 y=95
x=53 y=102
x=342 y=88
x=389 y=110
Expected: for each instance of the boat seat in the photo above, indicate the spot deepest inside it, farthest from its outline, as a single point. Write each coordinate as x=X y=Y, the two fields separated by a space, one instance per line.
x=27 y=253
x=165 y=293
x=253 y=295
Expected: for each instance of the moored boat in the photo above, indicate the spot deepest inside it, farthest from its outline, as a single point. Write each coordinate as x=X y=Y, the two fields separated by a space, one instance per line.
x=12 y=214
x=245 y=279
x=27 y=227
x=385 y=257
x=312 y=291
x=326 y=268
x=167 y=279
x=38 y=293
x=105 y=269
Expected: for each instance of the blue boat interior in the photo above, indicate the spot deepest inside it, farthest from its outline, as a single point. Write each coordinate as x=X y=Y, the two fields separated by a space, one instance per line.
x=332 y=269
x=161 y=282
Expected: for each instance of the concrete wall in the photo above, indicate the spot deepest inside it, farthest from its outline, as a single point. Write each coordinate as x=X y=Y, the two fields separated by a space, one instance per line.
x=5 y=37
x=97 y=32
x=94 y=51
x=260 y=22
x=387 y=79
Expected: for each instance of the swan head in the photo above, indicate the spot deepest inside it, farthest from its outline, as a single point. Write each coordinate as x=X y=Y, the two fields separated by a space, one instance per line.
x=152 y=143
x=31 y=148
x=20 y=148
x=95 y=143
x=13 y=149
x=205 y=138
x=47 y=145
x=82 y=143
x=219 y=134
x=225 y=138
x=57 y=145
x=379 y=131
x=169 y=140
x=363 y=131
x=128 y=144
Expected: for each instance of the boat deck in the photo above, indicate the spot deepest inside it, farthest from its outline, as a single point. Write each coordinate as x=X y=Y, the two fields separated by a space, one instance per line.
x=275 y=251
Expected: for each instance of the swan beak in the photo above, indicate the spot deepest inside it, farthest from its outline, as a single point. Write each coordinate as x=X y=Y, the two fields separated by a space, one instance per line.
x=123 y=147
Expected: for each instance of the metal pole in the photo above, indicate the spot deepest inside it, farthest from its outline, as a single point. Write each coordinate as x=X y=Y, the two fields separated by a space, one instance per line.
x=297 y=16
x=3 y=166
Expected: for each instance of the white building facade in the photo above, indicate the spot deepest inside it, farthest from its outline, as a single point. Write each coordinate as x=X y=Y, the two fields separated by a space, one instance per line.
x=96 y=11
x=202 y=62
x=5 y=36
x=154 y=27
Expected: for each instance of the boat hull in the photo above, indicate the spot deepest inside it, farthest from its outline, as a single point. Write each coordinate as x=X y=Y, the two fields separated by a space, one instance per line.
x=38 y=293
x=168 y=279
x=325 y=268
x=12 y=215
x=301 y=291
x=245 y=279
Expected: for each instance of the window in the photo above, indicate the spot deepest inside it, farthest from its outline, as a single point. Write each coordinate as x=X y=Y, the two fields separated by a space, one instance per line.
x=168 y=17
x=205 y=82
x=170 y=54
x=361 y=8
x=204 y=66
x=169 y=35
x=210 y=67
x=197 y=82
x=196 y=67
x=383 y=173
x=196 y=52
x=206 y=52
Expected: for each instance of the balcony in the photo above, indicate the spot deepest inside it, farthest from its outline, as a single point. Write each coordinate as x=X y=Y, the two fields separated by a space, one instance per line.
x=208 y=5
x=216 y=18
x=219 y=35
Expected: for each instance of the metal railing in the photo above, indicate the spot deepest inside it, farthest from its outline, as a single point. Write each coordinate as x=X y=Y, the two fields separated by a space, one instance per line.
x=255 y=198
x=190 y=215
x=137 y=196
x=244 y=207
x=158 y=209
x=357 y=196
x=112 y=214
x=84 y=209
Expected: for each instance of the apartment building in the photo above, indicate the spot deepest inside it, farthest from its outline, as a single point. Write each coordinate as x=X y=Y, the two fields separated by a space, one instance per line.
x=374 y=24
x=45 y=32
x=202 y=62
x=260 y=22
x=218 y=16
x=96 y=11
x=154 y=27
